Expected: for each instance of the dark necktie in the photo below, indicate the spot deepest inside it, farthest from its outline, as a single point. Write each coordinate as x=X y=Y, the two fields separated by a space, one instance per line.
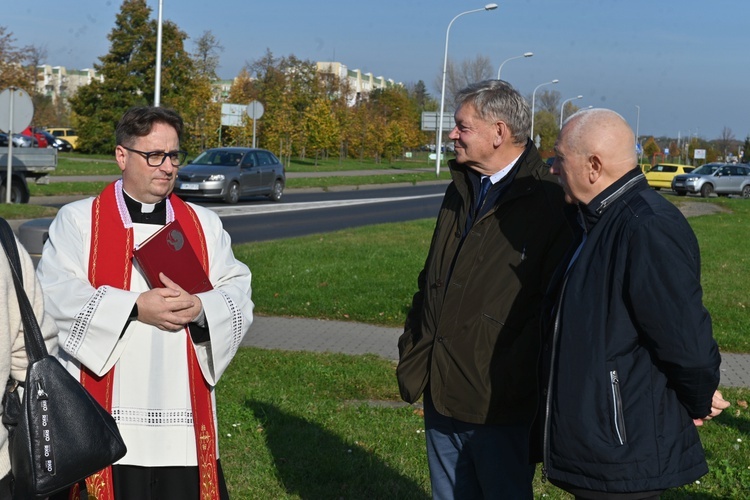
x=486 y=184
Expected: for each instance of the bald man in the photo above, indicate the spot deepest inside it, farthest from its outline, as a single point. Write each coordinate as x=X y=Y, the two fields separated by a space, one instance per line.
x=631 y=364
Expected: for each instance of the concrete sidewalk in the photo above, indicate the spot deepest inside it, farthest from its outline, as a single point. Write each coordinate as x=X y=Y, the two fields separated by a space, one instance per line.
x=300 y=334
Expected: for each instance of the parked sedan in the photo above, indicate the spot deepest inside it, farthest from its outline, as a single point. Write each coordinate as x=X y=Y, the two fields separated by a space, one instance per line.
x=231 y=173
x=661 y=174
x=719 y=178
x=57 y=142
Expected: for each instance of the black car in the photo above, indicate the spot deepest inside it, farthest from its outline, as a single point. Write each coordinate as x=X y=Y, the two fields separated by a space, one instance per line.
x=57 y=142
x=231 y=173
x=3 y=140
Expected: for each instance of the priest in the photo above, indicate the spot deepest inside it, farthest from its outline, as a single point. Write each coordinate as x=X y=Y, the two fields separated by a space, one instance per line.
x=151 y=356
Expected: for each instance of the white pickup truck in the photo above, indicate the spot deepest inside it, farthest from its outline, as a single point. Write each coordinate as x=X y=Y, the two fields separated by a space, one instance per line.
x=33 y=164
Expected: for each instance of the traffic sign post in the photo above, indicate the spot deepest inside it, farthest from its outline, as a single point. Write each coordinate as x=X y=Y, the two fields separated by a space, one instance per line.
x=254 y=111
x=17 y=110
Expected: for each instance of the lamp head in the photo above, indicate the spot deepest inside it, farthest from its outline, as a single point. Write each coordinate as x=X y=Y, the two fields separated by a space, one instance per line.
x=555 y=80
x=490 y=6
x=528 y=54
x=579 y=97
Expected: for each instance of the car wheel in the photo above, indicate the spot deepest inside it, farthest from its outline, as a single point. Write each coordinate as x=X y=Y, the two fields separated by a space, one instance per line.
x=706 y=190
x=746 y=191
x=233 y=193
x=681 y=193
x=657 y=188
x=277 y=191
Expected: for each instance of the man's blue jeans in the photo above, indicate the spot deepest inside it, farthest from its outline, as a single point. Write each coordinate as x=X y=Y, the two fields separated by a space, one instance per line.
x=476 y=461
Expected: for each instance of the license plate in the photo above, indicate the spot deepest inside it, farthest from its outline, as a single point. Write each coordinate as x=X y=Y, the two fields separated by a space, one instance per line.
x=190 y=186
x=679 y=184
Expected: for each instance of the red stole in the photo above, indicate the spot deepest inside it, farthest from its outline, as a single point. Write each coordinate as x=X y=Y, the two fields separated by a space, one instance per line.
x=110 y=263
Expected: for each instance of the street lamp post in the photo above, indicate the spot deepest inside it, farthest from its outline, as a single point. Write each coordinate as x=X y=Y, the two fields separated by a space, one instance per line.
x=562 y=108
x=157 y=77
x=489 y=6
x=637 y=131
x=525 y=54
x=533 y=103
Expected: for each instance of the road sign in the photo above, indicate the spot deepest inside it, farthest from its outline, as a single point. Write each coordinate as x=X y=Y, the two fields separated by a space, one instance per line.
x=430 y=120
x=16 y=110
x=255 y=110
x=231 y=114
x=19 y=101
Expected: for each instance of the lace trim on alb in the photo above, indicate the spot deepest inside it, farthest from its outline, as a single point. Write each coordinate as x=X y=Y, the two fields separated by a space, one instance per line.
x=236 y=323
x=83 y=320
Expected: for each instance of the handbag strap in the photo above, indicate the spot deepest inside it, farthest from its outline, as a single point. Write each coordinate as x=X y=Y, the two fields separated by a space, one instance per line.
x=33 y=338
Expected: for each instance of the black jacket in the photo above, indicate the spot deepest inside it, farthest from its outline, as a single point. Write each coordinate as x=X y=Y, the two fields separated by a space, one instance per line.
x=631 y=346
x=473 y=329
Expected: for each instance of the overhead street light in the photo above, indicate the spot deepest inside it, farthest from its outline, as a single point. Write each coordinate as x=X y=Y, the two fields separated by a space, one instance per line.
x=525 y=54
x=533 y=103
x=489 y=6
x=562 y=108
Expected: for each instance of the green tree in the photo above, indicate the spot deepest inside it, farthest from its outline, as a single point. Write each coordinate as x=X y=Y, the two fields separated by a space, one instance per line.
x=746 y=150
x=129 y=73
x=546 y=127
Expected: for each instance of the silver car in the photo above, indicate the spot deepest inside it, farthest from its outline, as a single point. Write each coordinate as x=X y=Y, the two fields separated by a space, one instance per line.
x=720 y=178
x=231 y=173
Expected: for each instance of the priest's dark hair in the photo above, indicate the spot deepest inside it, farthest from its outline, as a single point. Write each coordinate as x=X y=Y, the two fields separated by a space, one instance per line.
x=139 y=120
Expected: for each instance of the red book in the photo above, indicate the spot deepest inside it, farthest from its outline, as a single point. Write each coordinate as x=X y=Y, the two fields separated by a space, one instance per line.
x=168 y=251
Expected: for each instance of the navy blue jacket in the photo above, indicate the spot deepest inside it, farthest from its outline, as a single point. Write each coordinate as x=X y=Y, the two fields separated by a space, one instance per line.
x=633 y=359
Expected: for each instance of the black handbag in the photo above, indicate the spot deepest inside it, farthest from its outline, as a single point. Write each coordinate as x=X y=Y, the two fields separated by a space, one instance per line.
x=57 y=433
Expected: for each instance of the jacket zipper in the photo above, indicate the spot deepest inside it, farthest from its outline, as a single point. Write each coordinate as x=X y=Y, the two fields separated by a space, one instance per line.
x=548 y=398
x=617 y=407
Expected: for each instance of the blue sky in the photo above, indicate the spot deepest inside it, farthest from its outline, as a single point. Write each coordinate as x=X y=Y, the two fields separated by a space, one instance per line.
x=686 y=64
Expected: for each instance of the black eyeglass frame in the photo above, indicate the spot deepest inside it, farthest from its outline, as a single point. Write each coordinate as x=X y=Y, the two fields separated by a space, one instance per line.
x=179 y=155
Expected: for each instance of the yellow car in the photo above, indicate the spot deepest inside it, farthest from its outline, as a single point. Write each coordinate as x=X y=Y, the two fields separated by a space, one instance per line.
x=661 y=174
x=65 y=133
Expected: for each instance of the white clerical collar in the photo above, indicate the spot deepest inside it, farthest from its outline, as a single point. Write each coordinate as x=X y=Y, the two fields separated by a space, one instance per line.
x=146 y=208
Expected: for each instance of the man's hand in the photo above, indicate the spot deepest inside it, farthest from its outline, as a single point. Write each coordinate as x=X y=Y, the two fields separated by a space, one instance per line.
x=170 y=308
x=718 y=404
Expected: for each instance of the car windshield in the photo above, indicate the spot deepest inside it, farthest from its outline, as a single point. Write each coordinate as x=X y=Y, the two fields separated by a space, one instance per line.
x=219 y=157
x=706 y=169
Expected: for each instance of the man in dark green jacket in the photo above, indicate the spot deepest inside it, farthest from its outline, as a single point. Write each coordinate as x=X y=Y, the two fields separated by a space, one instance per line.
x=472 y=337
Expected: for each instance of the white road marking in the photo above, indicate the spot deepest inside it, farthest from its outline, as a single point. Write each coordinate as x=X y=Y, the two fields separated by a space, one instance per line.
x=229 y=211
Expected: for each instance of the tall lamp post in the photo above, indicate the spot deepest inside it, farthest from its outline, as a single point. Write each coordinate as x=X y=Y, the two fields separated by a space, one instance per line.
x=157 y=77
x=489 y=6
x=637 y=131
x=533 y=103
x=562 y=108
x=525 y=54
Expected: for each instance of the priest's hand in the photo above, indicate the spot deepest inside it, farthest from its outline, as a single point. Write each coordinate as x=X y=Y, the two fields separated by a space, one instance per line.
x=170 y=308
